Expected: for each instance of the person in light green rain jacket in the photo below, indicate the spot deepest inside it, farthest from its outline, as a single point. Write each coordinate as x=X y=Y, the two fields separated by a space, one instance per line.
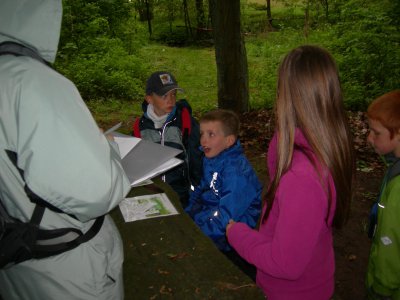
x=383 y=275
x=65 y=160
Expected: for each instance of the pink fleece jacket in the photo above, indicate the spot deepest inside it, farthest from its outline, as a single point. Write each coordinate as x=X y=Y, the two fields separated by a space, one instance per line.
x=293 y=249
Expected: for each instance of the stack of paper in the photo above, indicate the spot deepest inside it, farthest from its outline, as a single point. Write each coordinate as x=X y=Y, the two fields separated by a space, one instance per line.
x=142 y=160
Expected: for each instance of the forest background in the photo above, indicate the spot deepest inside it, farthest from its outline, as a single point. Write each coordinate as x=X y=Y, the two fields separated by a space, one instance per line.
x=108 y=48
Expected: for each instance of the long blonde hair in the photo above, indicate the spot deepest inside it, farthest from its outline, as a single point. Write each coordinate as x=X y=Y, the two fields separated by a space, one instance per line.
x=309 y=97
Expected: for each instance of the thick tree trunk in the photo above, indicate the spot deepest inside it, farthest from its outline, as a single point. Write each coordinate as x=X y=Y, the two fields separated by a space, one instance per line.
x=230 y=55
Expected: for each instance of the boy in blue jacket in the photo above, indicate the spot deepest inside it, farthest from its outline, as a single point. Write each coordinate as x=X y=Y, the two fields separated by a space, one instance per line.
x=229 y=188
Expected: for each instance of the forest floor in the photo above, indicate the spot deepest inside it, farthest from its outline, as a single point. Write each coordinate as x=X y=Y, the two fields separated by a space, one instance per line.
x=351 y=242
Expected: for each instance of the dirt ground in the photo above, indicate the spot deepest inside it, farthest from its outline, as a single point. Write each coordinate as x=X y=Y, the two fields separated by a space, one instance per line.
x=351 y=242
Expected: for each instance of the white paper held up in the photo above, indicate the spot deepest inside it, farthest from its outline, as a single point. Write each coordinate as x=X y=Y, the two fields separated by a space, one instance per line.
x=142 y=160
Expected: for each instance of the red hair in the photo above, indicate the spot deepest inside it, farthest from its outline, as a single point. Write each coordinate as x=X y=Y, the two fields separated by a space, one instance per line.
x=386 y=110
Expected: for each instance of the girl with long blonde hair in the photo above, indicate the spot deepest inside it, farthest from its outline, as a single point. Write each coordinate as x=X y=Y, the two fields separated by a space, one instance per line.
x=311 y=167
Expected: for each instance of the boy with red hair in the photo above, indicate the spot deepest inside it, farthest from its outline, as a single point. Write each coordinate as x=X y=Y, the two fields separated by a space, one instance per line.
x=383 y=280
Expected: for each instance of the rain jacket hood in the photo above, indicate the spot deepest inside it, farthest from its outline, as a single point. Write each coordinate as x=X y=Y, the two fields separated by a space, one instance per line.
x=62 y=157
x=33 y=23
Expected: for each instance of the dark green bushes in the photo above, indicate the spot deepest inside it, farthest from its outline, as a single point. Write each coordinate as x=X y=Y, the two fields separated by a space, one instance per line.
x=365 y=42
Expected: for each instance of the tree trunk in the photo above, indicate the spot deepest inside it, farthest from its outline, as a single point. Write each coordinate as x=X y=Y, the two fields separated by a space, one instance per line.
x=200 y=19
x=188 y=26
x=269 y=15
x=148 y=13
x=230 y=55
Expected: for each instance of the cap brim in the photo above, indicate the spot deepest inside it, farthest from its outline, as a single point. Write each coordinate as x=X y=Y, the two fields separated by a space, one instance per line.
x=167 y=89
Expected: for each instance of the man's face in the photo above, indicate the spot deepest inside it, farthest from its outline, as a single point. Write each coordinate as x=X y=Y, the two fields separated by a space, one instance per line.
x=162 y=104
x=379 y=138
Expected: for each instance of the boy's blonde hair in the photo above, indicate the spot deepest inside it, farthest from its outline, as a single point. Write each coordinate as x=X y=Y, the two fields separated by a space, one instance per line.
x=386 y=110
x=229 y=120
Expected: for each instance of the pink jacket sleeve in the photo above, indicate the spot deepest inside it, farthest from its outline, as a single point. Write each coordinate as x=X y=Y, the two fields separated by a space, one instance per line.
x=284 y=245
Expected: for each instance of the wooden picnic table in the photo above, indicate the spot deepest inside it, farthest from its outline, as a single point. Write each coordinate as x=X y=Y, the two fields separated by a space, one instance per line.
x=170 y=258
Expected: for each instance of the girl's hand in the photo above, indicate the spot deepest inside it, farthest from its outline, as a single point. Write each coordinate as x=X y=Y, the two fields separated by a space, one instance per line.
x=231 y=222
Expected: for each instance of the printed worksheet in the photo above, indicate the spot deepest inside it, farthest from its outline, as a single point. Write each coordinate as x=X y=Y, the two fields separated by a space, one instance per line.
x=146 y=207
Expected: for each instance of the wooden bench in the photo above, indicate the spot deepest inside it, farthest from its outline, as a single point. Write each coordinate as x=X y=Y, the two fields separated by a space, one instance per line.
x=170 y=258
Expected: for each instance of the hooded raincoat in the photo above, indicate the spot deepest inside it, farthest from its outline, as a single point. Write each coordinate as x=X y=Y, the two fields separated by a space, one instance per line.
x=64 y=158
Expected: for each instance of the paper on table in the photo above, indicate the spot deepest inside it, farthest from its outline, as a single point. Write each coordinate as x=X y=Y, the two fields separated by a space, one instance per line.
x=146 y=207
x=142 y=160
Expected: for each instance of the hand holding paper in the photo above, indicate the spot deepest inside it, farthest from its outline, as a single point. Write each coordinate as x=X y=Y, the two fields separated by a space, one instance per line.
x=142 y=160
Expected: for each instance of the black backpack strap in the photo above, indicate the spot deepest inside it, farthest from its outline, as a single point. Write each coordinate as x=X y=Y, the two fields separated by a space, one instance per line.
x=20 y=50
x=41 y=249
x=41 y=243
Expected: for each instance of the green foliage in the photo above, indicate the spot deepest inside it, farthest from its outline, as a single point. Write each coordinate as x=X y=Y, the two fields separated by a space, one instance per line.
x=254 y=18
x=177 y=37
x=104 y=49
x=366 y=47
x=108 y=73
x=363 y=36
x=97 y=40
x=106 y=111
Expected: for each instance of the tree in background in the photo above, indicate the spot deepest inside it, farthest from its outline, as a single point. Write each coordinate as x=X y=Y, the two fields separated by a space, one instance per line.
x=269 y=15
x=144 y=8
x=200 y=20
x=96 y=40
x=101 y=42
x=230 y=55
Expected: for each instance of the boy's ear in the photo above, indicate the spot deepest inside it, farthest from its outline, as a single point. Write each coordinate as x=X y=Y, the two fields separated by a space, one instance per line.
x=149 y=99
x=230 y=140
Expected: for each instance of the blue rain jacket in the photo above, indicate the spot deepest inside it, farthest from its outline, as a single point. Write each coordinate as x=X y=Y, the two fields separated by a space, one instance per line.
x=229 y=189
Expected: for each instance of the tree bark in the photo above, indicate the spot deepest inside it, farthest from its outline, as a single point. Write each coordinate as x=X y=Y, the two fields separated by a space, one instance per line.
x=188 y=26
x=230 y=55
x=200 y=20
x=148 y=14
x=269 y=14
